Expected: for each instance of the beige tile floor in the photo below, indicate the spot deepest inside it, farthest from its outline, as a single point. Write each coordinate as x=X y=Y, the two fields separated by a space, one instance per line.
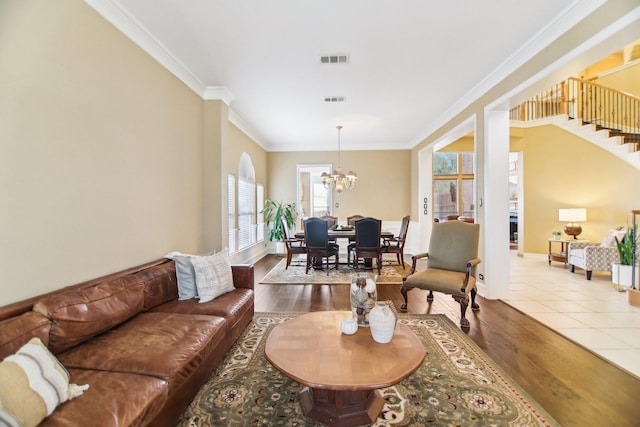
x=590 y=313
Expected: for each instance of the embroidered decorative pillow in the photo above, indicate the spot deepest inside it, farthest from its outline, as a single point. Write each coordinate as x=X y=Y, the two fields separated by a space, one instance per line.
x=213 y=275
x=32 y=384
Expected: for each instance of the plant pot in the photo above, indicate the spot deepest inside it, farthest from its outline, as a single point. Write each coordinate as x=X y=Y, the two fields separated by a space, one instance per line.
x=280 y=249
x=633 y=297
x=621 y=275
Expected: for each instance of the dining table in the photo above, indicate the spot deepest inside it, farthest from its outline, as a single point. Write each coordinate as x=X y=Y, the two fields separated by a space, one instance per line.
x=346 y=232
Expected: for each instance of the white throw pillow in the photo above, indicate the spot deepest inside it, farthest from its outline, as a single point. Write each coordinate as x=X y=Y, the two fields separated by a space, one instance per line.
x=213 y=275
x=32 y=384
x=185 y=274
x=610 y=238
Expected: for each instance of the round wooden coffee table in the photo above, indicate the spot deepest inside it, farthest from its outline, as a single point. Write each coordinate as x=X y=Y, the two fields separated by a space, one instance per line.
x=342 y=373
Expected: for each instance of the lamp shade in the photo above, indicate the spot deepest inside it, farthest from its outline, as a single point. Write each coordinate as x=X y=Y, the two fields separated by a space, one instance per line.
x=572 y=215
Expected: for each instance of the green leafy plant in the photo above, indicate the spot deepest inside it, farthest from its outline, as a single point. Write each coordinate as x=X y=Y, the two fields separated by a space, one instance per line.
x=625 y=248
x=556 y=232
x=274 y=212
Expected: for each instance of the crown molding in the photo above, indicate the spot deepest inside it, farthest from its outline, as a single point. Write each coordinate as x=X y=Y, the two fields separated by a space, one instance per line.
x=218 y=92
x=134 y=30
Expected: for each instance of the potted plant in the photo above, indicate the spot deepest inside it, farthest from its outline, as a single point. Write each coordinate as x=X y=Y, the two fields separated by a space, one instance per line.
x=274 y=212
x=556 y=234
x=621 y=273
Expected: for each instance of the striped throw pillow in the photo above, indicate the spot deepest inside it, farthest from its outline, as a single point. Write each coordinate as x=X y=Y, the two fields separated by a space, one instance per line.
x=32 y=384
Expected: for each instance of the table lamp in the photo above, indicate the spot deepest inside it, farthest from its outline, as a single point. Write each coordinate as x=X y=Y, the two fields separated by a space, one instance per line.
x=572 y=216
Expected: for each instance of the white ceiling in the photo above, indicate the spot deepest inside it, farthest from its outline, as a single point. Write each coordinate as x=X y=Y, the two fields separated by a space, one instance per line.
x=413 y=63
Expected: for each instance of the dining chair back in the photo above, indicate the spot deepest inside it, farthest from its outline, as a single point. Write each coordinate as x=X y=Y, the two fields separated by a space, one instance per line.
x=367 y=244
x=331 y=220
x=395 y=245
x=351 y=220
x=316 y=234
x=293 y=245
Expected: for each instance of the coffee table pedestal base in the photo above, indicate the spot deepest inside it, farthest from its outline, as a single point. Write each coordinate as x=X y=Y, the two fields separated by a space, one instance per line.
x=341 y=407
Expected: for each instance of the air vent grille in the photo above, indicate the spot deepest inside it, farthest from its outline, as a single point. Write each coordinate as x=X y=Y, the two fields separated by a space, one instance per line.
x=334 y=59
x=334 y=99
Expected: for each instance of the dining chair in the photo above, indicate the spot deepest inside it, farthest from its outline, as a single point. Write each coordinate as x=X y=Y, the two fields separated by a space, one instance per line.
x=333 y=221
x=351 y=220
x=367 y=244
x=395 y=245
x=316 y=235
x=451 y=266
x=294 y=245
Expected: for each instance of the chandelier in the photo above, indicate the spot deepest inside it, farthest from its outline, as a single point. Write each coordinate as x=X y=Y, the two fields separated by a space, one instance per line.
x=337 y=179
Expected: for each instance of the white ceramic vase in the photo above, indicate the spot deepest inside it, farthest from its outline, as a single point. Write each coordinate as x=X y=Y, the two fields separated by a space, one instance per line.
x=349 y=326
x=382 y=320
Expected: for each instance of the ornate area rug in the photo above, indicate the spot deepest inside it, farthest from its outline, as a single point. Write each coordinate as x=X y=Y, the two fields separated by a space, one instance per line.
x=457 y=385
x=390 y=274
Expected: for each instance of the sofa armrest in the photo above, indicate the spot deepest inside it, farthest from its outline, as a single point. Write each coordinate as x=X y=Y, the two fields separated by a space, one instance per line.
x=243 y=276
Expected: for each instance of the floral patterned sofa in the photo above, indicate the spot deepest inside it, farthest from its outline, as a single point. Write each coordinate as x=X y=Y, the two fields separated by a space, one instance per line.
x=595 y=256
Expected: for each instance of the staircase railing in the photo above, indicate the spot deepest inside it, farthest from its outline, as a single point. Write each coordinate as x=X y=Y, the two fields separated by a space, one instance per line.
x=586 y=101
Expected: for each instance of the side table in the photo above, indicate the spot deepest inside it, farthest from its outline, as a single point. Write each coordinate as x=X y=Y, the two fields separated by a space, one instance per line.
x=562 y=255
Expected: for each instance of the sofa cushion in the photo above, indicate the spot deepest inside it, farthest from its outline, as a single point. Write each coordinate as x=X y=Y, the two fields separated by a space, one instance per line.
x=83 y=313
x=167 y=346
x=233 y=306
x=33 y=384
x=159 y=284
x=17 y=331
x=213 y=275
x=102 y=405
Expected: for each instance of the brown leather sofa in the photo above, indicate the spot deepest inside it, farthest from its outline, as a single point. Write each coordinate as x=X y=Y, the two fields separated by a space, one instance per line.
x=143 y=353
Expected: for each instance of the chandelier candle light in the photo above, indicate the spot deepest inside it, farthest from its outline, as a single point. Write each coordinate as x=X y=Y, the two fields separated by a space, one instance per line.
x=337 y=179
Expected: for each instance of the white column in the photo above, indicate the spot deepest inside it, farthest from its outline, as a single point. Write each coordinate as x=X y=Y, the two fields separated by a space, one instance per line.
x=492 y=151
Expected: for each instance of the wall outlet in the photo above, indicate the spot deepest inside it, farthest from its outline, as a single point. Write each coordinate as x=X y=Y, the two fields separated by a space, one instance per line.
x=481 y=276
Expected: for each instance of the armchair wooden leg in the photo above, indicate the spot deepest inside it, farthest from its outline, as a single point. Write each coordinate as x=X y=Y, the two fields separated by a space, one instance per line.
x=474 y=305
x=588 y=275
x=464 y=302
x=404 y=292
x=573 y=268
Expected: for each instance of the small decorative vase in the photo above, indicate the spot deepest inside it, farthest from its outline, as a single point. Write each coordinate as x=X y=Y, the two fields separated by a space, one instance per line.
x=349 y=326
x=363 y=296
x=382 y=320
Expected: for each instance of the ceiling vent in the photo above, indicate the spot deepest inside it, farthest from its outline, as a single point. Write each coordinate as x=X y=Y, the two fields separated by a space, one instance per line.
x=334 y=99
x=334 y=59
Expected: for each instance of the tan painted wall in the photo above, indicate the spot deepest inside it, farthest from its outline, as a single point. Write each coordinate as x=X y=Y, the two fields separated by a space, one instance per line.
x=578 y=174
x=100 y=150
x=382 y=189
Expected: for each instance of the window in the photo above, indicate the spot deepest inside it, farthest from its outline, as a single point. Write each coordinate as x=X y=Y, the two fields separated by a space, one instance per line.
x=246 y=213
x=453 y=183
x=260 y=205
x=231 y=210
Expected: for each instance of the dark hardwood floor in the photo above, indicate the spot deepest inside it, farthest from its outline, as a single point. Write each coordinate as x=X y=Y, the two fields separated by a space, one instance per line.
x=573 y=385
